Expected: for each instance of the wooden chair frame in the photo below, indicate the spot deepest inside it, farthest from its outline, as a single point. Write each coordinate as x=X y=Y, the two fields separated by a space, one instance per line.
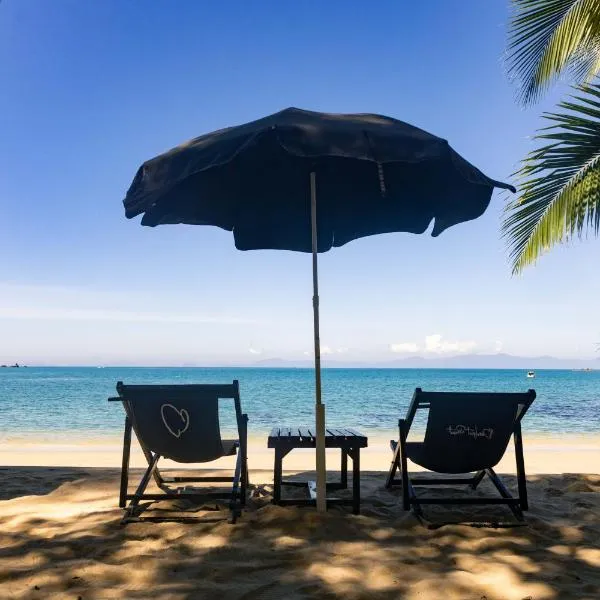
x=239 y=479
x=409 y=497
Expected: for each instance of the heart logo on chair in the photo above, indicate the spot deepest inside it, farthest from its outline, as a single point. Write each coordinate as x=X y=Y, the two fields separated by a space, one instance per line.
x=176 y=421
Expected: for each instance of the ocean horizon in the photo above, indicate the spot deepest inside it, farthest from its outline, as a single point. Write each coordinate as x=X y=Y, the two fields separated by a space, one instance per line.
x=62 y=404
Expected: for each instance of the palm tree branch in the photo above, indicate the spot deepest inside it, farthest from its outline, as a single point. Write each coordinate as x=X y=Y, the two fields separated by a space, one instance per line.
x=559 y=183
x=548 y=36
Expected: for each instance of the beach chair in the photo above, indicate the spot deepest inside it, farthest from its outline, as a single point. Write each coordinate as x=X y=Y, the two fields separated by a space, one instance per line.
x=181 y=423
x=465 y=433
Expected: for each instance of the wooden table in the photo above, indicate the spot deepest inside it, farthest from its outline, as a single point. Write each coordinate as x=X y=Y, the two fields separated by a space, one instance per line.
x=284 y=439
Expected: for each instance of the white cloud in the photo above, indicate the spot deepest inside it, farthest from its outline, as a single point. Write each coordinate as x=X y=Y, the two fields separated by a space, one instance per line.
x=498 y=346
x=403 y=347
x=254 y=350
x=326 y=350
x=435 y=344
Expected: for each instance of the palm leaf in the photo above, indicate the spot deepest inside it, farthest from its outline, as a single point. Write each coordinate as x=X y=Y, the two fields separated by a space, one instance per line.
x=547 y=37
x=559 y=182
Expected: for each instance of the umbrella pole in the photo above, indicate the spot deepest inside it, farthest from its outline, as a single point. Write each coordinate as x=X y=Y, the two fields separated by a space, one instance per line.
x=319 y=406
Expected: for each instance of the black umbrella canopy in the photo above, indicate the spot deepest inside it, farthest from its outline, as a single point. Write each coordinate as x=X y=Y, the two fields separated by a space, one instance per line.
x=375 y=174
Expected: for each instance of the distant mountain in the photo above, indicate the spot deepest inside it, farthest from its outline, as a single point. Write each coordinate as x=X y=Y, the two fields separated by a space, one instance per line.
x=497 y=361
x=279 y=362
x=464 y=361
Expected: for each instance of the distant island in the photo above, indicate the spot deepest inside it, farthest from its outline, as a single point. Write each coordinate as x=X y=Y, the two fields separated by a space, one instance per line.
x=463 y=361
x=15 y=366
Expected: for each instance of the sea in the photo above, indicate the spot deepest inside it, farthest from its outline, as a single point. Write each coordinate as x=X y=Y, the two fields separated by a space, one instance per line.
x=62 y=404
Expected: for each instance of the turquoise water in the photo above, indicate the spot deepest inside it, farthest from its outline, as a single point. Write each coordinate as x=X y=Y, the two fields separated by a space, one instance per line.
x=55 y=402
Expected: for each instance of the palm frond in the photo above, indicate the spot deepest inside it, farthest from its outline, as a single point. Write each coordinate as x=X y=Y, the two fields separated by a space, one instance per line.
x=547 y=37
x=559 y=182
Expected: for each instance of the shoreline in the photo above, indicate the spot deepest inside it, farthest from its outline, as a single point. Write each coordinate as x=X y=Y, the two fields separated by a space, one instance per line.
x=570 y=453
x=376 y=435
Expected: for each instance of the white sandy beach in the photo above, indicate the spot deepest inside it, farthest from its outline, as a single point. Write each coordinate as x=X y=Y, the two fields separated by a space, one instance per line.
x=564 y=454
x=60 y=536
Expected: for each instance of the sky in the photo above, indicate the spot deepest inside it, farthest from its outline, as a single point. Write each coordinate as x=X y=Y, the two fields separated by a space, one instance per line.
x=89 y=90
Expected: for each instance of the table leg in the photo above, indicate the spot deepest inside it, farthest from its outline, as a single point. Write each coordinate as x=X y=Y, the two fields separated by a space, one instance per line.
x=344 y=479
x=356 y=481
x=277 y=475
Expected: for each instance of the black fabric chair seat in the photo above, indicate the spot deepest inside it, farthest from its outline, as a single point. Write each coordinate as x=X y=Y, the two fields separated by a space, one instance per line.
x=416 y=452
x=462 y=460
x=230 y=447
x=419 y=454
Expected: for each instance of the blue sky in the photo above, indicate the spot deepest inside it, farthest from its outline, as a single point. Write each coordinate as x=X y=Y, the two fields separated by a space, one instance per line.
x=89 y=90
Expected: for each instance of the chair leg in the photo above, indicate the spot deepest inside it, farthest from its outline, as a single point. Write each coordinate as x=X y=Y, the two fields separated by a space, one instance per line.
x=477 y=479
x=395 y=458
x=244 y=482
x=521 y=479
x=125 y=463
x=160 y=482
x=244 y=458
x=405 y=489
x=412 y=499
x=404 y=467
x=516 y=509
x=234 y=505
x=393 y=467
x=146 y=451
x=143 y=484
x=344 y=469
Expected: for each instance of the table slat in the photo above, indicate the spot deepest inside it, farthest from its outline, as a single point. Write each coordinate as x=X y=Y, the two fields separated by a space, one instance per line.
x=355 y=433
x=304 y=432
x=341 y=433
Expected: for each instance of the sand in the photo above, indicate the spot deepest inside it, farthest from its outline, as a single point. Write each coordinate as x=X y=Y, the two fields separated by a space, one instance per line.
x=559 y=454
x=61 y=537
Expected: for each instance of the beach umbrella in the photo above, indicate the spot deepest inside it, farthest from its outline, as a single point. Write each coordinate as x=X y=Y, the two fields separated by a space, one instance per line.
x=308 y=181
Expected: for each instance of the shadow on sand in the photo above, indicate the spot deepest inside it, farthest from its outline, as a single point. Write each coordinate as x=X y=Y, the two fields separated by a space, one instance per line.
x=67 y=542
